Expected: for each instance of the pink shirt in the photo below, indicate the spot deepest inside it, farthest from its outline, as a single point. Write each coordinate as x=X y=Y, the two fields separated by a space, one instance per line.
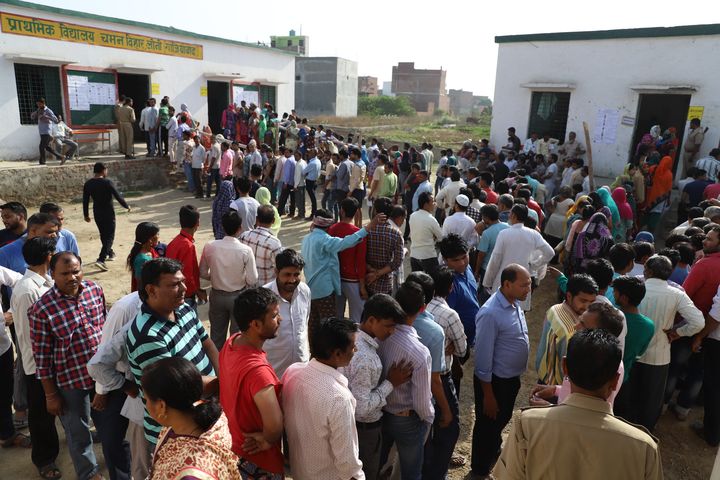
x=563 y=391
x=226 y=162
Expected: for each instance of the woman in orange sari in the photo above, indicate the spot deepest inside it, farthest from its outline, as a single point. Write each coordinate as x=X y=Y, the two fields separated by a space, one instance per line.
x=657 y=198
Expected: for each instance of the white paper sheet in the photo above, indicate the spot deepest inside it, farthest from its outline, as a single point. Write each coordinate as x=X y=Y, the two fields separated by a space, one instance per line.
x=606 y=124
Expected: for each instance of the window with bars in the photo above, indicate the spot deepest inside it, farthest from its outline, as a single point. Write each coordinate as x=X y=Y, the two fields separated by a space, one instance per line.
x=267 y=94
x=549 y=114
x=33 y=82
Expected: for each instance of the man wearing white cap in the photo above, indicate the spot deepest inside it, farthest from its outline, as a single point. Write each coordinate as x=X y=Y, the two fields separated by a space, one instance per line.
x=460 y=223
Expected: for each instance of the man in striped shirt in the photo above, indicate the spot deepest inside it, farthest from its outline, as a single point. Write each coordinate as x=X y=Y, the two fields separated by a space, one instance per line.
x=166 y=327
x=264 y=244
x=409 y=411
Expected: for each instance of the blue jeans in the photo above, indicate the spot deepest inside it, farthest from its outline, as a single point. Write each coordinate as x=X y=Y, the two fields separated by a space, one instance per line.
x=440 y=444
x=111 y=427
x=350 y=293
x=408 y=435
x=151 y=137
x=686 y=373
x=76 y=422
x=213 y=176
x=189 y=177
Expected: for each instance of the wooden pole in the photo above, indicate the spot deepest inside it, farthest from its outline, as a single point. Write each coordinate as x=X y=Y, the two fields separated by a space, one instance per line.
x=588 y=147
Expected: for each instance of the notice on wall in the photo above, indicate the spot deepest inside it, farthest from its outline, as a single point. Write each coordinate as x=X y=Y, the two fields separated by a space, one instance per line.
x=78 y=93
x=101 y=93
x=606 y=124
x=240 y=94
x=156 y=89
x=203 y=91
x=695 y=112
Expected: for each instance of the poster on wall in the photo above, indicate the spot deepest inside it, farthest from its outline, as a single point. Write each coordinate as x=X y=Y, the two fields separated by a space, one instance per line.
x=240 y=94
x=606 y=123
x=78 y=92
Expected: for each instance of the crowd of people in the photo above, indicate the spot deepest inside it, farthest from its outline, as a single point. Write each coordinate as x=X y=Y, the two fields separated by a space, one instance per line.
x=331 y=362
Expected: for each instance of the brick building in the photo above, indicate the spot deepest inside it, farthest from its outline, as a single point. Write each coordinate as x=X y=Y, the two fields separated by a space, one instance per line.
x=367 y=87
x=424 y=88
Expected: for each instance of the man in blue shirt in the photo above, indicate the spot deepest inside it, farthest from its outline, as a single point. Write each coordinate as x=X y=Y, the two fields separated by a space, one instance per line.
x=39 y=225
x=288 y=181
x=492 y=228
x=322 y=266
x=312 y=173
x=66 y=240
x=501 y=355
x=463 y=297
x=424 y=186
x=45 y=118
x=341 y=188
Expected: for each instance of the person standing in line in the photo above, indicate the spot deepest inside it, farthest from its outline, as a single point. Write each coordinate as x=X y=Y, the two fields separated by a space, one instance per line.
x=37 y=253
x=299 y=180
x=245 y=205
x=381 y=313
x=692 y=145
x=182 y=249
x=171 y=131
x=356 y=185
x=291 y=343
x=164 y=115
x=196 y=164
x=14 y=218
x=385 y=249
x=321 y=431
x=502 y=348
x=125 y=115
x=709 y=341
x=230 y=267
x=264 y=244
x=584 y=422
x=425 y=232
x=288 y=183
x=341 y=188
x=45 y=118
x=213 y=171
x=65 y=330
x=66 y=240
x=352 y=263
x=102 y=191
x=250 y=389
x=312 y=173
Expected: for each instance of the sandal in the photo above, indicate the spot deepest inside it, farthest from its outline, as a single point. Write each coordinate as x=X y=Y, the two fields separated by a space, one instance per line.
x=18 y=440
x=457 y=460
x=20 y=422
x=50 y=471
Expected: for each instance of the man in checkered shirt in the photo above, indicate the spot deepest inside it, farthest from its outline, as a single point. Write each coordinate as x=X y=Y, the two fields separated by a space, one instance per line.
x=264 y=244
x=384 y=251
x=65 y=330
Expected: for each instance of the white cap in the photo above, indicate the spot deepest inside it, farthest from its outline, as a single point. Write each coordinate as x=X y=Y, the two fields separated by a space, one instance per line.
x=463 y=200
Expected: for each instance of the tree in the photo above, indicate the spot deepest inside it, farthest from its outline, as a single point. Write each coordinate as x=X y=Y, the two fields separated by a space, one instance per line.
x=376 y=106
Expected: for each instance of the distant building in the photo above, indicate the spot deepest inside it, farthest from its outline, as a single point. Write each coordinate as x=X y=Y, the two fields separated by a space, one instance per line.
x=292 y=43
x=424 y=88
x=387 y=90
x=326 y=86
x=465 y=103
x=367 y=86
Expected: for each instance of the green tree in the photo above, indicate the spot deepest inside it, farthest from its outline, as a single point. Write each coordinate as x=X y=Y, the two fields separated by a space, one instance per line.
x=376 y=106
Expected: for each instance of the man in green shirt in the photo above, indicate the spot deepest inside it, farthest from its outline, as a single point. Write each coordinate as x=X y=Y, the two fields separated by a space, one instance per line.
x=389 y=185
x=629 y=292
x=163 y=119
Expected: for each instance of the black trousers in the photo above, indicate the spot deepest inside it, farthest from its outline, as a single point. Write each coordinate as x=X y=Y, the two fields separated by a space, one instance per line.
x=711 y=387
x=163 y=141
x=45 y=443
x=647 y=391
x=197 y=180
x=111 y=427
x=427 y=265
x=440 y=444
x=105 y=221
x=45 y=142
x=287 y=191
x=487 y=432
x=7 y=367
x=310 y=186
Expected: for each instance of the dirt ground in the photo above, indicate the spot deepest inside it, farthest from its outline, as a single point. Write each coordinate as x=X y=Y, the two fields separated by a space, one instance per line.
x=685 y=456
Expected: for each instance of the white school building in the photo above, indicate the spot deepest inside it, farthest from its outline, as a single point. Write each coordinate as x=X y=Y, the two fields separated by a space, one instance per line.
x=82 y=62
x=621 y=82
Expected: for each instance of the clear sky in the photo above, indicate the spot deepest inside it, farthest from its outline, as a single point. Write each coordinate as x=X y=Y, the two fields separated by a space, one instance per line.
x=455 y=35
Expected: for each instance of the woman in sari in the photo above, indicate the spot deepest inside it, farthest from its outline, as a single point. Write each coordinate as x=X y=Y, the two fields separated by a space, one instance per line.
x=291 y=136
x=594 y=241
x=262 y=129
x=220 y=206
x=607 y=200
x=556 y=222
x=619 y=195
x=188 y=118
x=195 y=443
x=568 y=244
x=147 y=236
x=263 y=198
x=658 y=194
x=227 y=122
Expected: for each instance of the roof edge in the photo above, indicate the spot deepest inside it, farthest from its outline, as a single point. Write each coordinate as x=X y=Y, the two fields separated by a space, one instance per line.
x=133 y=23
x=649 y=32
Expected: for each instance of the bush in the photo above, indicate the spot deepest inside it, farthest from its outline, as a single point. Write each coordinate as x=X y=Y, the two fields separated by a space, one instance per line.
x=376 y=106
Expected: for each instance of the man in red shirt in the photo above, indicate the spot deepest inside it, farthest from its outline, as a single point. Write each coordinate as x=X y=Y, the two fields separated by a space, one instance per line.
x=352 y=263
x=249 y=388
x=486 y=179
x=182 y=249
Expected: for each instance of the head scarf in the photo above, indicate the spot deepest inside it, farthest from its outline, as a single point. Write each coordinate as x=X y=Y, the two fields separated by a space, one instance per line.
x=661 y=182
x=263 y=197
x=220 y=206
x=595 y=240
x=574 y=209
x=644 y=236
x=322 y=222
x=655 y=132
x=183 y=107
x=620 y=197
x=604 y=193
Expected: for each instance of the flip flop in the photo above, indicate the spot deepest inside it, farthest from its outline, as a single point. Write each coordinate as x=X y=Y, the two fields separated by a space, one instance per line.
x=50 y=471
x=18 y=440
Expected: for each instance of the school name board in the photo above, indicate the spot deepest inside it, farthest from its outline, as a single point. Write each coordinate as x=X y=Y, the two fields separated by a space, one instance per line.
x=43 y=28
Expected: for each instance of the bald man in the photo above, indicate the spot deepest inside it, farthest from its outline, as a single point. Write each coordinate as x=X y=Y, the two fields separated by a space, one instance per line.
x=501 y=354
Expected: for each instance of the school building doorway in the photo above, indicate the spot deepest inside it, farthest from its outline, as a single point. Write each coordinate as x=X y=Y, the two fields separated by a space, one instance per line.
x=137 y=87
x=666 y=110
x=218 y=99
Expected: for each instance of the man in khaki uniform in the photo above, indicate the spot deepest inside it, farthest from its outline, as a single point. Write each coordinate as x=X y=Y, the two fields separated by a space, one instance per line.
x=581 y=438
x=126 y=117
x=692 y=145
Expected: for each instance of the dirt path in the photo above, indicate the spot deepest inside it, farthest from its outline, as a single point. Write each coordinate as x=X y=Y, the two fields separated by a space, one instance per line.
x=685 y=457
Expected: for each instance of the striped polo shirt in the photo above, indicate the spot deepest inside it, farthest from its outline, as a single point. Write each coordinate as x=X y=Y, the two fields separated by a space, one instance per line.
x=152 y=337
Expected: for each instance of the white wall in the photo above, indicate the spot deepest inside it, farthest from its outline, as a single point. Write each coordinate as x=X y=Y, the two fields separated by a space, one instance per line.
x=347 y=88
x=603 y=72
x=180 y=78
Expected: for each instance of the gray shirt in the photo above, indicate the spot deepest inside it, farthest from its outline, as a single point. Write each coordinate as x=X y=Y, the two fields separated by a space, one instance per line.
x=45 y=120
x=342 y=176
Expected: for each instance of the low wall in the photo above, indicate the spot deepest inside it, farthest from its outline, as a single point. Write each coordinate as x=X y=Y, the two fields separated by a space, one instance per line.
x=63 y=183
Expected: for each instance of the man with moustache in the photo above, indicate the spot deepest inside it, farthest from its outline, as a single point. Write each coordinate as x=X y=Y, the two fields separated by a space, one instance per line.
x=250 y=389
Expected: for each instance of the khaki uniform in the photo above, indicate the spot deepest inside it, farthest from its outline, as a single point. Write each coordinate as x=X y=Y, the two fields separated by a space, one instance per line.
x=580 y=439
x=125 y=118
x=693 y=142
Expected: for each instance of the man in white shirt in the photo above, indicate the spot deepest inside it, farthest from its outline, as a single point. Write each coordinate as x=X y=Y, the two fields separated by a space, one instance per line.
x=711 y=164
x=425 y=232
x=118 y=407
x=649 y=374
x=517 y=244
x=300 y=165
x=291 y=343
x=529 y=145
x=321 y=431
x=230 y=267
x=62 y=134
x=172 y=128
x=27 y=289
x=245 y=205
x=213 y=163
x=709 y=338
x=429 y=157
x=149 y=118
x=460 y=223
x=448 y=193
x=196 y=164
